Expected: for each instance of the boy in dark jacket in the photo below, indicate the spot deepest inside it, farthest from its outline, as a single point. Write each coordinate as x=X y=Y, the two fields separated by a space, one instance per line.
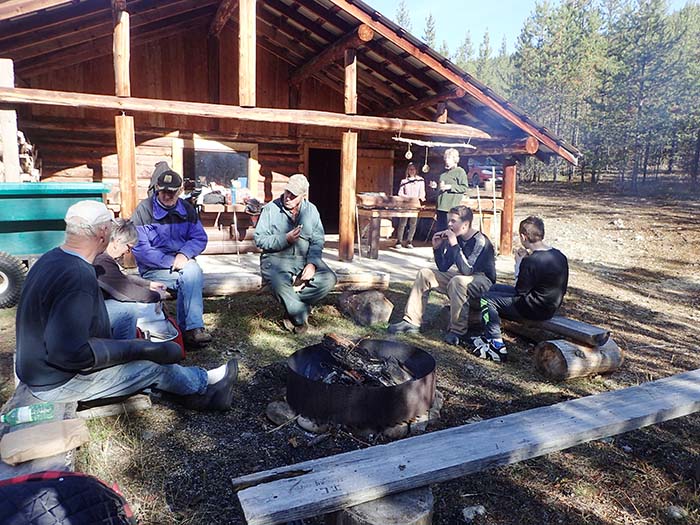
x=472 y=255
x=542 y=275
x=170 y=237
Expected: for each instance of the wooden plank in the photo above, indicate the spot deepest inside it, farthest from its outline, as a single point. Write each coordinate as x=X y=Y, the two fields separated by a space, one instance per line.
x=348 y=180
x=508 y=192
x=324 y=485
x=246 y=53
x=45 y=97
x=23 y=397
x=121 y=52
x=576 y=330
x=8 y=127
x=132 y=404
x=12 y=8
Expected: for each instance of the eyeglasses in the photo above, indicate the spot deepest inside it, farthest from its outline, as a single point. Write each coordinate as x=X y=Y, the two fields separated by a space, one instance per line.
x=129 y=247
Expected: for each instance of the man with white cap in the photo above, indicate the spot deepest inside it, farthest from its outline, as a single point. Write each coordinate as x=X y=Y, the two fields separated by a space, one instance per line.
x=291 y=236
x=64 y=349
x=170 y=237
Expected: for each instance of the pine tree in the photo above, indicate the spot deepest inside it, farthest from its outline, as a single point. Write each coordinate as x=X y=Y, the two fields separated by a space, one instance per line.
x=403 y=17
x=429 y=31
x=444 y=49
x=465 y=53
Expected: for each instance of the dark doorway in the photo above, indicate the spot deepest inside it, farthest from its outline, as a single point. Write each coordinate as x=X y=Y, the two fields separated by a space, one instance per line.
x=324 y=185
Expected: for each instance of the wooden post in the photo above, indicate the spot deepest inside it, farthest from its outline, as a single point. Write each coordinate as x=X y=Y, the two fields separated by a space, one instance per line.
x=348 y=179
x=246 y=53
x=508 y=193
x=350 y=82
x=122 y=54
x=126 y=160
x=8 y=127
x=441 y=113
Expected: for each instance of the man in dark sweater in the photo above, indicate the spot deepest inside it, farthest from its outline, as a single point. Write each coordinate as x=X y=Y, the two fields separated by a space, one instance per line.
x=64 y=349
x=542 y=275
x=472 y=255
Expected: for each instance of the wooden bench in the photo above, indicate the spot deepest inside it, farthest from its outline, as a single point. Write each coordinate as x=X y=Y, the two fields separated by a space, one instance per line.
x=320 y=486
x=64 y=462
x=567 y=348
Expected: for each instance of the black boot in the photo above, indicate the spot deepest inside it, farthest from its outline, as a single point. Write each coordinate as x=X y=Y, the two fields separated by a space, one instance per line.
x=218 y=396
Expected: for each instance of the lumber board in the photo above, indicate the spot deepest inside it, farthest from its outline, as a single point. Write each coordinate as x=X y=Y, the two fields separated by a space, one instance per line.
x=324 y=485
x=132 y=404
x=577 y=331
x=23 y=397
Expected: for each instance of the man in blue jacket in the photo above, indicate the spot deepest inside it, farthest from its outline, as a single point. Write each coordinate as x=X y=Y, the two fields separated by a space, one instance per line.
x=472 y=255
x=291 y=236
x=170 y=237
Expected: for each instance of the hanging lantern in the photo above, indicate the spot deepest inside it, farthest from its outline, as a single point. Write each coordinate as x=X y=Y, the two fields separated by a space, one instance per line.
x=409 y=154
x=426 y=168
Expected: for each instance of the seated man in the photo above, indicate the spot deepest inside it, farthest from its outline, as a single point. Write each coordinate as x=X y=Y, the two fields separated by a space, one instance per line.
x=64 y=349
x=170 y=237
x=127 y=297
x=541 y=274
x=291 y=236
x=472 y=254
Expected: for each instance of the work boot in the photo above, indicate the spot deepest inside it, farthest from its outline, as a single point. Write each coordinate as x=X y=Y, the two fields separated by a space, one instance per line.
x=451 y=338
x=403 y=327
x=196 y=338
x=289 y=326
x=217 y=397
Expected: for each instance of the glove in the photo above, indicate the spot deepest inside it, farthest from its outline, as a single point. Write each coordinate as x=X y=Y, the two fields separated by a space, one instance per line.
x=110 y=352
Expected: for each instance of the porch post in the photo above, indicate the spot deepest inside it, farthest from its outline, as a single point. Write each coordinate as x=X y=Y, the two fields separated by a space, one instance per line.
x=506 y=244
x=348 y=176
x=246 y=53
x=8 y=127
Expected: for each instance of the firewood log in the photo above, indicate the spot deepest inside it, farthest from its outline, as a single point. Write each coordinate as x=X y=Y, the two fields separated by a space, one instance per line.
x=562 y=360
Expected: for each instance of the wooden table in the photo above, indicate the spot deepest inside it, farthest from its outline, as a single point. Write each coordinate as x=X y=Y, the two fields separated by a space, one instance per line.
x=375 y=216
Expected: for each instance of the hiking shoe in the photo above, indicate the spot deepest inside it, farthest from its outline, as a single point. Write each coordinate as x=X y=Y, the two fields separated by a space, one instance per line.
x=403 y=327
x=485 y=349
x=398 y=246
x=217 y=397
x=451 y=338
x=196 y=338
x=409 y=245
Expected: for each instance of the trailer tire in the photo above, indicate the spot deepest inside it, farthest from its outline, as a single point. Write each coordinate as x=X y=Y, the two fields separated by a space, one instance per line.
x=12 y=274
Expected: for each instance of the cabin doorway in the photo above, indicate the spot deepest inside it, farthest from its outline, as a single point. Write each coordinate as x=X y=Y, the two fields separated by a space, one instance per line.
x=324 y=185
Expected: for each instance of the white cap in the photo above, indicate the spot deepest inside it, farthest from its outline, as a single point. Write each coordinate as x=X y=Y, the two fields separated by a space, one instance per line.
x=90 y=213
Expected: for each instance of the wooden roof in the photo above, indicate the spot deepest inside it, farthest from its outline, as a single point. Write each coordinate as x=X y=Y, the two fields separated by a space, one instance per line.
x=399 y=75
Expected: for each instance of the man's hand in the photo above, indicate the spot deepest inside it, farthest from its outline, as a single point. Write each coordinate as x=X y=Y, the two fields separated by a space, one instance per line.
x=160 y=288
x=451 y=237
x=438 y=238
x=293 y=236
x=445 y=187
x=520 y=254
x=308 y=272
x=180 y=261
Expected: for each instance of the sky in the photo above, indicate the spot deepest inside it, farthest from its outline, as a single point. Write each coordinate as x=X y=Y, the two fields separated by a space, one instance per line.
x=454 y=17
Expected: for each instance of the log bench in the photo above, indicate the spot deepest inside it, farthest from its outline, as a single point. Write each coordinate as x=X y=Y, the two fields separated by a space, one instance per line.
x=567 y=349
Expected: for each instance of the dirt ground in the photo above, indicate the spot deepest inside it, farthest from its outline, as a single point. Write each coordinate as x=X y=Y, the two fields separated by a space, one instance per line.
x=634 y=270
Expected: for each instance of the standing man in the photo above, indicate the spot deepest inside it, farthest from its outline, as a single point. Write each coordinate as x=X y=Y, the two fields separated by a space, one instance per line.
x=472 y=255
x=170 y=237
x=64 y=349
x=451 y=187
x=541 y=279
x=291 y=236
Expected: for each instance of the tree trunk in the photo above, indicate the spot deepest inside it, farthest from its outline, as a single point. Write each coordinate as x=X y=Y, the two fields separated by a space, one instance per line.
x=561 y=360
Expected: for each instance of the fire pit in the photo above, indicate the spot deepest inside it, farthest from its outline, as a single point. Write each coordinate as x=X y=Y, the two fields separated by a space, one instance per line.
x=360 y=406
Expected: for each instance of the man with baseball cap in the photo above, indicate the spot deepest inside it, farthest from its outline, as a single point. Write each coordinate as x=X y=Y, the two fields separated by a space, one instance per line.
x=170 y=237
x=65 y=352
x=291 y=236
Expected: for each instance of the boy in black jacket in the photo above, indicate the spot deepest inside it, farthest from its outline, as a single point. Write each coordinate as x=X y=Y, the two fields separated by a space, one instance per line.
x=541 y=274
x=472 y=255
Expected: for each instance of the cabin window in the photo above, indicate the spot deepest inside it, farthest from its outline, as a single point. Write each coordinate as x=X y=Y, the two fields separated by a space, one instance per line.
x=222 y=163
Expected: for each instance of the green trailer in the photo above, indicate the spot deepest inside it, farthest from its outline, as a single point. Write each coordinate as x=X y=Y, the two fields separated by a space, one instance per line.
x=31 y=223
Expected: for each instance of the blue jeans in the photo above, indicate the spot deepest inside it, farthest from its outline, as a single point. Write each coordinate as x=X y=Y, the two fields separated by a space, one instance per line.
x=498 y=302
x=188 y=282
x=123 y=316
x=127 y=379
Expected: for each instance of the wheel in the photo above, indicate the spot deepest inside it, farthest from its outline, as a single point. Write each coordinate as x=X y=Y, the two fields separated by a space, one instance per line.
x=12 y=274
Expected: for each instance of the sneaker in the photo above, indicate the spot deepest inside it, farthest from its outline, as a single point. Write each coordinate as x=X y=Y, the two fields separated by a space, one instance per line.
x=451 y=338
x=409 y=245
x=403 y=327
x=485 y=349
x=397 y=246
x=217 y=397
x=196 y=338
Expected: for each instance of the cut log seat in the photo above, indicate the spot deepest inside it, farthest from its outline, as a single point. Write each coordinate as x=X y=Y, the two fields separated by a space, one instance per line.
x=64 y=462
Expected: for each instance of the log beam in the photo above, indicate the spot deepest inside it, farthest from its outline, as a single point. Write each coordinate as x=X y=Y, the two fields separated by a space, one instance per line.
x=8 y=127
x=348 y=180
x=13 y=8
x=45 y=97
x=495 y=148
x=427 y=102
x=508 y=191
x=122 y=53
x=562 y=360
x=126 y=161
x=223 y=14
x=246 y=53
x=332 y=53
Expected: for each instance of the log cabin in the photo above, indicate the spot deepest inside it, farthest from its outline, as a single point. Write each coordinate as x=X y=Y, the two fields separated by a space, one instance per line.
x=264 y=88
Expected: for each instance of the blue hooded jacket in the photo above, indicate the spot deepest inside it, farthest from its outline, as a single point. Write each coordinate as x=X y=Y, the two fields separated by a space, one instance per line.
x=163 y=233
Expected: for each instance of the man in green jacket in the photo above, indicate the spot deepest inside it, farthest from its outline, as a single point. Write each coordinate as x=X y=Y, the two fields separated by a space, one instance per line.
x=451 y=188
x=291 y=236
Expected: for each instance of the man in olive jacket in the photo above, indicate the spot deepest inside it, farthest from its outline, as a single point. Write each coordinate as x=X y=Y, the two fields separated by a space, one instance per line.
x=451 y=188
x=291 y=236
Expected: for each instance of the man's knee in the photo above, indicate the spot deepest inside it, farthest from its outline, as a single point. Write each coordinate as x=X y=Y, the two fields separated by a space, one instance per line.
x=424 y=276
x=478 y=287
x=326 y=280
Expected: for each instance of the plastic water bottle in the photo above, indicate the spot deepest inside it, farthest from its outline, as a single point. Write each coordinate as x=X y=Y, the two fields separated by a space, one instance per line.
x=28 y=414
